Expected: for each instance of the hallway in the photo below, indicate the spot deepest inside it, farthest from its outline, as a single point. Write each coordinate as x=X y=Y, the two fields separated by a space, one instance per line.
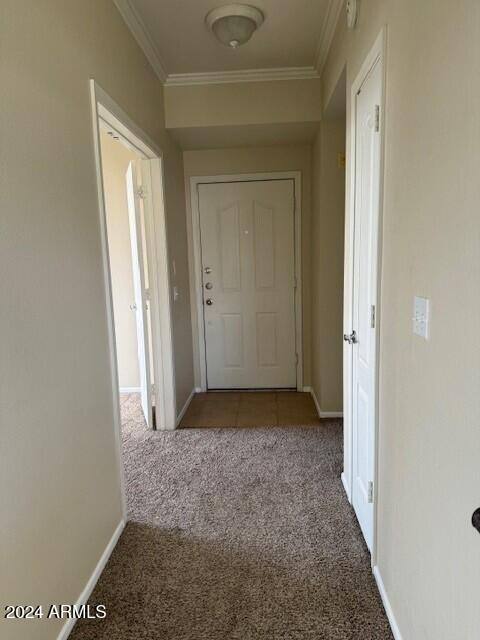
x=239 y=534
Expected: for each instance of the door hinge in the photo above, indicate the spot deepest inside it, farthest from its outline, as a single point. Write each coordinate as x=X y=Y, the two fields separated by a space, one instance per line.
x=141 y=192
x=370 y=492
x=372 y=316
x=377 y=117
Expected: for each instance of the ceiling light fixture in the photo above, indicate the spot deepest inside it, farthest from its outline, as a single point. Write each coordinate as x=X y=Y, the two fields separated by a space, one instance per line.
x=234 y=24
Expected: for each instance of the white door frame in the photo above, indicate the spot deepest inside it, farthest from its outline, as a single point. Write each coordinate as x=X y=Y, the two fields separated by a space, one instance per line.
x=106 y=110
x=199 y=338
x=376 y=55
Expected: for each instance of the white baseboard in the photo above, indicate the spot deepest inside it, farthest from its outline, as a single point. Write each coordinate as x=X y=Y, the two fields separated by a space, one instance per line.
x=92 y=581
x=198 y=389
x=315 y=399
x=386 y=603
x=331 y=414
x=322 y=414
x=185 y=406
x=345 y=486
x=130 y=390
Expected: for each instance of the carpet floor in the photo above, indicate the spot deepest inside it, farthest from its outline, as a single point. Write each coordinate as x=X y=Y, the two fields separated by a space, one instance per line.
x=236 y=534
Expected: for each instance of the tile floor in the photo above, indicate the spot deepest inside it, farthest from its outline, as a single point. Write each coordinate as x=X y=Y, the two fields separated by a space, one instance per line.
x=251 y=409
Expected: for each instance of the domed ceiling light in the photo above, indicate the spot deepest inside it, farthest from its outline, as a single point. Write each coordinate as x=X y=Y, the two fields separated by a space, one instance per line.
x=234 y=24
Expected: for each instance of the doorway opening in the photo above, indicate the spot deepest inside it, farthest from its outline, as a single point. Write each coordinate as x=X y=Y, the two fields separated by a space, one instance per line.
x=135 y=265
x=129 y=270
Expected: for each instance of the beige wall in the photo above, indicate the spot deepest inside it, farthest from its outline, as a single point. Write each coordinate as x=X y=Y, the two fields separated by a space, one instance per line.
x=115 y=160
x=243 y=103
x=327 y=237
x=59 y=478
x=252 y=160
x=429 y=476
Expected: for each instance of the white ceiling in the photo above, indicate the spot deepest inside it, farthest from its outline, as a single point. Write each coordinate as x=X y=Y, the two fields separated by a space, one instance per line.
x=289 y=37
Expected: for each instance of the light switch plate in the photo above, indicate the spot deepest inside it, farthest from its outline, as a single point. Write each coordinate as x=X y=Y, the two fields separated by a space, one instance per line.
x=421 y=317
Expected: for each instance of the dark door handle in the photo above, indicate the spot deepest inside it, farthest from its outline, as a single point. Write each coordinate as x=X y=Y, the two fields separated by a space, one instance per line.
x=351 y=338
x=476 y=519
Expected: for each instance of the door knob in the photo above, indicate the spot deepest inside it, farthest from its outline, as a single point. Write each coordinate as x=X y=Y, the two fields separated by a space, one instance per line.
x=208 y=270
x=209 y=285
x=476 y=519
x=351 y=338
x=209 y=301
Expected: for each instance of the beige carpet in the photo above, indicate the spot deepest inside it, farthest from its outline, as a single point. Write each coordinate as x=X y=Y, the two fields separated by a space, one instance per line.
x=241 y=534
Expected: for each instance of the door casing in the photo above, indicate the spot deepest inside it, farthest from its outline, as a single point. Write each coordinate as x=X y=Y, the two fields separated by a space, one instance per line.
x=196 y=262
x=105 y=109
x=376 y=55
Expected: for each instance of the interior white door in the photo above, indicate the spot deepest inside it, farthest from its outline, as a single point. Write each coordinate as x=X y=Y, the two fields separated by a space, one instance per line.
x=364 y=344
x=248 y=265
x=141 y=309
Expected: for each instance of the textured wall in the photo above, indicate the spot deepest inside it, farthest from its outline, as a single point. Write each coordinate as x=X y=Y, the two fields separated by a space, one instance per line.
x=257 y=160
x=428 y=552
x=115 y=160
x=327 y=237
x=59 y=477
x=243 y=103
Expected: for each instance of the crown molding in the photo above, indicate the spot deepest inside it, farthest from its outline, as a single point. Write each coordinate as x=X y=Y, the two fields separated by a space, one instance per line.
x=244 y=75
x=328 y=31
x=144 y=40
x=141 y=35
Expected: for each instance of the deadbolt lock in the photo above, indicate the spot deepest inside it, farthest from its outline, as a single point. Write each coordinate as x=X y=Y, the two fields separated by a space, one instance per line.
x=209 y=285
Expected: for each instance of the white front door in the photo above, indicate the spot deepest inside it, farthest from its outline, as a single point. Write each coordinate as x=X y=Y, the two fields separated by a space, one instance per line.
x=364 y=343
x=140 y=306
x=248 y=267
